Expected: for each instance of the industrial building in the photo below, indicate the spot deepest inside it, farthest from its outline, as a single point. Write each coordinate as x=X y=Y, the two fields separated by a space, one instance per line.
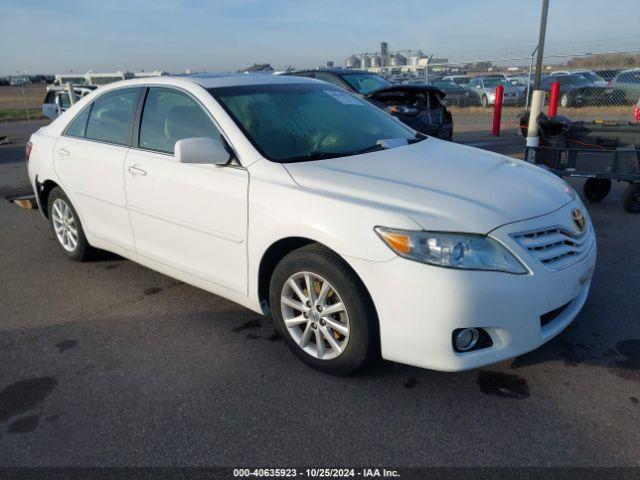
x=410 y=63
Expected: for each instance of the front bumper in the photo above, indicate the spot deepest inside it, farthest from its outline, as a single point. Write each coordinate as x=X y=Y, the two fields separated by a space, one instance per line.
x=420 y=305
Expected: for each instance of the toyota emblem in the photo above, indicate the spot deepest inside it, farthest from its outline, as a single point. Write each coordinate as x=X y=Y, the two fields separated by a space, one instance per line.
x=578 y=219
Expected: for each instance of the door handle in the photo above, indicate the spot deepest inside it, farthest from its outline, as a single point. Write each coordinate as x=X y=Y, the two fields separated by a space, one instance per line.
x=133 y=170
x=63 y=151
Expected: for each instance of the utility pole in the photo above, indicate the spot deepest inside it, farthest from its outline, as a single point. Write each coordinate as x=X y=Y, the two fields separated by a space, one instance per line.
x=541 y=37
x=537 y=101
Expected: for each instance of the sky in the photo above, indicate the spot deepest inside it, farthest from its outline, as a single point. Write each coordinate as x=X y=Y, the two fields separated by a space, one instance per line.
x=58 y=36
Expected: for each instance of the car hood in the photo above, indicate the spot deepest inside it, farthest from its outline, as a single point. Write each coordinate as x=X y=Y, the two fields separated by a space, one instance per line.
x=440 y=185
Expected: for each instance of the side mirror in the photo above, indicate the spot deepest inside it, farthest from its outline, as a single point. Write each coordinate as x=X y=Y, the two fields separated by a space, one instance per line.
x=201 y=150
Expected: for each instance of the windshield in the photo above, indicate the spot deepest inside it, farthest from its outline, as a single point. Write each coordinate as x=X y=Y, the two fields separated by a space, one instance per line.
x=572 y=80
x=366 y=83
x=592 y=76
x=295 y=122
x=447 y=85
x=494 y=82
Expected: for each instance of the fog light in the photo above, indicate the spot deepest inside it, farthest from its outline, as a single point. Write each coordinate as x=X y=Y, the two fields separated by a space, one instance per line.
x=465 y=339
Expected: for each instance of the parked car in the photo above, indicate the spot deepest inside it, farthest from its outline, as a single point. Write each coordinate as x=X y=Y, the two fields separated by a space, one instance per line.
x=589 y=75
x=293 y=197
x=626 y=85
x=577 y=91
x=457 y=95
x=57 y=99
x=520 y=81
x=18 y=81
x=421 y=107
x=608 y=73
x=485 y=88
x=461 y=80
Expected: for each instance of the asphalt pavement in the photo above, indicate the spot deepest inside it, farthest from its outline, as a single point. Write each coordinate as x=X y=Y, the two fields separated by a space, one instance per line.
x=108 y=363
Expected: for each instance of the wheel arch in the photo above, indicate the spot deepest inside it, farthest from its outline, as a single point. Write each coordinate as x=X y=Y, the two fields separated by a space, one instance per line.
x=277 y=251
x=43 y=190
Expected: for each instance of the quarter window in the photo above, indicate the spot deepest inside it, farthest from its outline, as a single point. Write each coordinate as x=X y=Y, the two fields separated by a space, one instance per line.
x=78 y=127
x=169 y=116
x=111 y=116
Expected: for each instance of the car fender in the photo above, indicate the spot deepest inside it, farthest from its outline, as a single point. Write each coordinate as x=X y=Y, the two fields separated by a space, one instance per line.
x=281 y=209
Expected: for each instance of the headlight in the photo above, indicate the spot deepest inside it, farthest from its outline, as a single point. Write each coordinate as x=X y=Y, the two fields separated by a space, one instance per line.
x=454 y=250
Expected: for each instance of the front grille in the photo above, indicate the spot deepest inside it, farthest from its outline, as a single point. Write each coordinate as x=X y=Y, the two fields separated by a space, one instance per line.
x=552 y=315
x=555 y=247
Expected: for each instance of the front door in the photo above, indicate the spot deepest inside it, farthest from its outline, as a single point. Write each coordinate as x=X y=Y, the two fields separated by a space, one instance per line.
x=189 y=217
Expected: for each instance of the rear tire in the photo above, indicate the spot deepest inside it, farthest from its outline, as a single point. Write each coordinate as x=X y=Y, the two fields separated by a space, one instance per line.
x=340 y=343
x=565 y=101
x=596 y=189
x=631 y=198
x=66 y=227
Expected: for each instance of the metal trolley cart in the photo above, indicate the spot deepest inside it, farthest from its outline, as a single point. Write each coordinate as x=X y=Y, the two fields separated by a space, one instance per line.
x=596 y=151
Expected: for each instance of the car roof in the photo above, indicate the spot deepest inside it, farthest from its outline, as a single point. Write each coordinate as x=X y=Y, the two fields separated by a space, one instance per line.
x=211 y=80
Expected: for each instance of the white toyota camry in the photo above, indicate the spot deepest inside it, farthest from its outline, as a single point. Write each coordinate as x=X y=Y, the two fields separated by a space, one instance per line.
x=292 y=197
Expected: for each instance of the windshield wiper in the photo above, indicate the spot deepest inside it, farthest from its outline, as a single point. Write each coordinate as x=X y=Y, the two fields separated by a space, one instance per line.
x=381 y=145
x=319 y=155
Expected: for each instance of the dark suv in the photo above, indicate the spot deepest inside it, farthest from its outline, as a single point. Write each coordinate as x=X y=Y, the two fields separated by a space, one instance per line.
x=419 y=106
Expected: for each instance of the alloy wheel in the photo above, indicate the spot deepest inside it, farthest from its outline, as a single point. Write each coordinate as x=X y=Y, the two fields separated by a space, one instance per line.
x=64 y=225
x=315 y=315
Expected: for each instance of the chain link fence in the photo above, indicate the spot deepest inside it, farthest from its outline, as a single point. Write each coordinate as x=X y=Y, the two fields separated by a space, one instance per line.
x=592 y=87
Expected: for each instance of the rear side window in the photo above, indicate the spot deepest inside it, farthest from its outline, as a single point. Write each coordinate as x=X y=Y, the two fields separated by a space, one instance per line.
x=169 y=116
x=78 y=127
x=112 y=115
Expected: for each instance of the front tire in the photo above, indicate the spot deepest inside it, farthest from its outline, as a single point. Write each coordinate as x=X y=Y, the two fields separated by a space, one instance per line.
x=323 y=311
x=66 y=227
x=485 y=101
x=596 y=189
x=565 y=101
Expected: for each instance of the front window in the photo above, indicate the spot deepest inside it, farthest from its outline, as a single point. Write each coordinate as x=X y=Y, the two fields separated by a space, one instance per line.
x=297 y=122
x=366 y=83
x=168 y=116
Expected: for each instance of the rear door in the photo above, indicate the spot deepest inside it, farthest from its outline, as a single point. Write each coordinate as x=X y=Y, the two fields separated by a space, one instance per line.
x=190 y=217
x=89 y=160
